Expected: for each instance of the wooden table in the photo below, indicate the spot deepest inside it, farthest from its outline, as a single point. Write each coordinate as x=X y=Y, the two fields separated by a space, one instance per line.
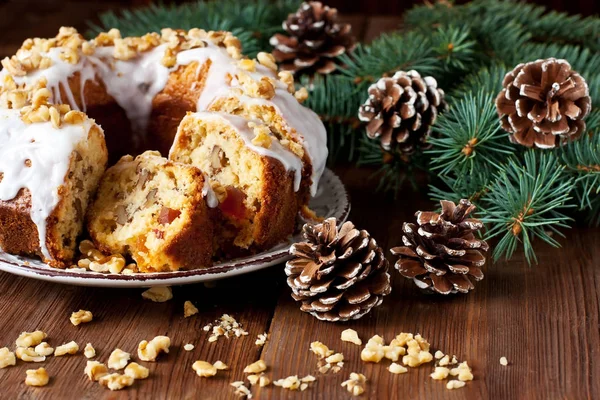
x=544 y=319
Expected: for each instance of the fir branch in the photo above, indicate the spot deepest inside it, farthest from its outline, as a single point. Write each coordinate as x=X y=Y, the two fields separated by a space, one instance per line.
x=473 y=187
x=469 y=138
x=454 y=47
x=582 y=158
x=487 y=79
x=526 y=202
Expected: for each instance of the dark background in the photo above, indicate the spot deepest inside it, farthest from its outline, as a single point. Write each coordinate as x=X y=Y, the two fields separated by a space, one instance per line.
x=20 y=19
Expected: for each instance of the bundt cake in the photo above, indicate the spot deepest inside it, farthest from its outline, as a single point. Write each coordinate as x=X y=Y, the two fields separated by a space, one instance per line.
x=154 y=210
x=140 y=88
x=51 y=159
x=255 y=177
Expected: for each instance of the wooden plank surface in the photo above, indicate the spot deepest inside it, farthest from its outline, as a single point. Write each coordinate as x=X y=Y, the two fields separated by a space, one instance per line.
x=544 y=319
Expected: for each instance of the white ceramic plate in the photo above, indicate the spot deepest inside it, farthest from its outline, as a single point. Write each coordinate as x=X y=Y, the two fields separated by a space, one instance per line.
x=330 y=201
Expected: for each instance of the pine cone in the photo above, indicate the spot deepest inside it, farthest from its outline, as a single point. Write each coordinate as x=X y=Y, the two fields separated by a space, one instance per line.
x=543 y=103
x=442 y=253
x=338 y=275
x=315 y=39
x=401 y=110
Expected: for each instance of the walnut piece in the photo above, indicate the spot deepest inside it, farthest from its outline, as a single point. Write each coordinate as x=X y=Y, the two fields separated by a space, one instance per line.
x=28 y=354
x=350 y=335
x=355 y=384
x=189 y=309
x=188 y=347
x=503 y=361
x=80 y=317
x=454 y=384
x=320 y=349
x=116 y=381
x=7 y=358
x=67 y=348
x=158 y=294
x=44 y=349
x=148 y=351
x=241 y=390
x=397 y=368
x=256 y=367
x=136 y=371
x=261 y=339
x=220 y=365
x=374 y=350
x=37 y=377
x=440 y=373
x=89 y=351
x=29 y=339
x=95 y=370
x=204 y=369
x=118 y=359
x=295 y=383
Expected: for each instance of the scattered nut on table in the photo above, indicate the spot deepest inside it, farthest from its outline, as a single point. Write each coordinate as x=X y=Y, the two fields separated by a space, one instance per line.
x=29 y=339
x=81 y=317
x=118 y=359
x=189 y=309
x=355 y=384
x=7 y=358
x=158 y=294
x=37 y=377
x=95 y=370
x=89 y=351
x=116 y=381
x=350 y=335
x=67 y=348
x=136 y=371
x=149 y=351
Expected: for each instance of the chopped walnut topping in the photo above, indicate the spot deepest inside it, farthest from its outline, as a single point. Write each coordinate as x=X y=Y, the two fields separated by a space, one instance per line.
x=287 y=78
x=261 y=339
x=89 y=351
x=267 y=60
x=7 y=358
x=262 y=136
x=158 y=294
x=113 y=264
x=301 y=95
x=118 y=359
x=67 y=348
x=454 y=384
x=440 y=373
x=44 y=349
x=248 y=65
x=148 y=351
x=29 y=339
x=262 y=88
x=355 y=384
x=204 y=369
x=374 y=350
x=397 y=368
x=188 y=347
x=116 y=381
x=225 y=326
x=189 y=309
x=28 y=354
x=256 y=367
x=350 y=335
x=37 y=377
x=95 y=370
x=80 y=317
x=241 y=390
x=136 y=371
x=503 y=361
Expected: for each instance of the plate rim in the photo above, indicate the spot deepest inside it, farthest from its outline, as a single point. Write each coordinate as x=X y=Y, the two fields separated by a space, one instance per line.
x=243 y=266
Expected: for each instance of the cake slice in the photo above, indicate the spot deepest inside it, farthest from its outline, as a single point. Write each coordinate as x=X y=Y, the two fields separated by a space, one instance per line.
x=51 y=159
x=154 y=210
x=255 y=178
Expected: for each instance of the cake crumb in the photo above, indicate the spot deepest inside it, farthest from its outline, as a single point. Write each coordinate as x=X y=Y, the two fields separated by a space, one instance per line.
x=225 y=326
x=503 y=361
x=158 y=294
x=350 y=335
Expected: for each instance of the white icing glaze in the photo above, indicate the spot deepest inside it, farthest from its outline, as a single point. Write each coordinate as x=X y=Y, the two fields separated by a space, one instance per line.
x=289 y=160
x=49 y=151
x=209 y=194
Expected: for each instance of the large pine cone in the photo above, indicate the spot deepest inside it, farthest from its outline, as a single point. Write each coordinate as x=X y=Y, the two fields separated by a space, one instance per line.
x=442 y=253
x=337 y=275
x=315 y=39
x=401 y=110
x=543 y=103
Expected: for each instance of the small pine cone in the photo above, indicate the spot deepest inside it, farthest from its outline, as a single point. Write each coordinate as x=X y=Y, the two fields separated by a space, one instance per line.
x=337 y=275
x=315 y=39
x=442 y=253
x=543 y=103
x=401 y=110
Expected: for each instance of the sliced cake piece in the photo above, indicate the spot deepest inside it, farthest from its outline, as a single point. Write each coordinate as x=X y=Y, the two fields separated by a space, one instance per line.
x=255 y=178
x=155 y=211
x=51 y=159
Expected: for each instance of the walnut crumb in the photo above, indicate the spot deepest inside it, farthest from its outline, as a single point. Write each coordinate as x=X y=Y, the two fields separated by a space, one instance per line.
x=225 y=326
x=320 y=349
x=204 y=369
x=438 y=355
x=355 y=384
x=350 y=335
x=241 y=390
x=149 y=351
x=89 y=351
x=67 y=348
x=397 y=368
x=80 y=317
x=295 y=383
x=440 y=373
x=503 y=361
x=220 y=365
x=118 y=359
x=189 y=309
x=256 y=367
x=28 y=354
x=7 y=358
x=37 y=377
x=454 y=384
x=116 y=381
x=188 y=347
x=44 y=349
x=261 y=339
x=374 y=350
x=29 y=339
x=158 y=294
x=136 y=371
x=95 y=370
